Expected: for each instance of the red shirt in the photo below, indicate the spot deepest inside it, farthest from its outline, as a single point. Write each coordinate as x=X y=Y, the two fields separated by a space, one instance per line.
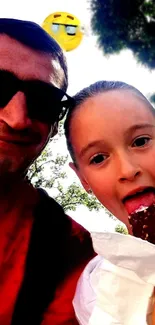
x=15 y=232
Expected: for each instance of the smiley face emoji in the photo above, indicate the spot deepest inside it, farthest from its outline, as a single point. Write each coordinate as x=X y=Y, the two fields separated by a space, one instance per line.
x=65 y=28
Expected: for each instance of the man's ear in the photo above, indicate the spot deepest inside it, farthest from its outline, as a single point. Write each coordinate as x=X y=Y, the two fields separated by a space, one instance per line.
x=82 y=179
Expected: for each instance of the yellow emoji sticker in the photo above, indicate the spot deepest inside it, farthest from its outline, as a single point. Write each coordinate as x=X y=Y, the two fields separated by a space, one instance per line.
x=65 y=28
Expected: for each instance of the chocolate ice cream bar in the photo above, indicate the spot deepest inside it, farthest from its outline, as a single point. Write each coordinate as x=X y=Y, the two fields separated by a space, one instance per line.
x=142 y=223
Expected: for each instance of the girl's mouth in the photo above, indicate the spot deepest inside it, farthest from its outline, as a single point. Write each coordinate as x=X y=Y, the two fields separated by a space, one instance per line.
x=139 y=200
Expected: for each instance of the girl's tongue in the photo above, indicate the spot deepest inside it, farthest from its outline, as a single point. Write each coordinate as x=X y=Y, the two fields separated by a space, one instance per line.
x=139 y=200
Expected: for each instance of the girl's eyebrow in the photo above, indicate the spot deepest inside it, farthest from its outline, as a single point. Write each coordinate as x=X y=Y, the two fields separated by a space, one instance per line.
x=128 y=131
x=89 y=146
x=138 y=127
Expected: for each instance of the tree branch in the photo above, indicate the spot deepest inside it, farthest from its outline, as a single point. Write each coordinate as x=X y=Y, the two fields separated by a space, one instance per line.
x=38 y=167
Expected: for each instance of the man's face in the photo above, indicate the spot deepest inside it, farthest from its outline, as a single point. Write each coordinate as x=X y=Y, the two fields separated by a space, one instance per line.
x=21 y=138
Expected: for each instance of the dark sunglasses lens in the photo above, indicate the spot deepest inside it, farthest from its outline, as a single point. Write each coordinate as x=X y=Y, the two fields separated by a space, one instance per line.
x=44 y=102
x=8 y=87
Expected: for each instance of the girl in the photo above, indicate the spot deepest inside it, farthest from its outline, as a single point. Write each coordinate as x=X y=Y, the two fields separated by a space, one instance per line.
x=110 y=132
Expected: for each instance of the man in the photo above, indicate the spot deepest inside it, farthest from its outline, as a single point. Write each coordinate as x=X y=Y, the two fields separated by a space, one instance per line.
x=42 y=251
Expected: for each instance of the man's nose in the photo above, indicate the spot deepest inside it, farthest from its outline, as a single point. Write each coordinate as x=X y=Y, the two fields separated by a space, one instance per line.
x=15 y=113
x=129 y=169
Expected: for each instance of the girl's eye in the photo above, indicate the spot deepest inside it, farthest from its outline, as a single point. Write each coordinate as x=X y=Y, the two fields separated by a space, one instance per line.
x=141 y=142
x=98 y=159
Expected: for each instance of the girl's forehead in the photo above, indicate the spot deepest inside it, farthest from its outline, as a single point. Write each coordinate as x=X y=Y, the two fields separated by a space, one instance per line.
x=112 y=109
x=111 y=102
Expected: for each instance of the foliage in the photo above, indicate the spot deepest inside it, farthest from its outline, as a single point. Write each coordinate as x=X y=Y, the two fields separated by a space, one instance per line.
x=125 y=24
x=74 y=195
x=121 y=229
x=48 y=171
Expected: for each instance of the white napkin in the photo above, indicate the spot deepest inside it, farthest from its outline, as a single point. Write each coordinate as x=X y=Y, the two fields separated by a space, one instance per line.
x=116 y=287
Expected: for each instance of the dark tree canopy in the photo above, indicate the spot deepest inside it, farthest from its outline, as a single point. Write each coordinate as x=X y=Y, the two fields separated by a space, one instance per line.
x=125 y=24
x=152 y=99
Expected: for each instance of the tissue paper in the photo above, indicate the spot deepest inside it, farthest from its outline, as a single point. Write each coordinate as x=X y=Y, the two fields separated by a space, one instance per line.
x=117 y=286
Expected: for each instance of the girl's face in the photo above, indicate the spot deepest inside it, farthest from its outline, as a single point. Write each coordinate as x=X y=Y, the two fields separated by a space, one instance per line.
x=113 y=138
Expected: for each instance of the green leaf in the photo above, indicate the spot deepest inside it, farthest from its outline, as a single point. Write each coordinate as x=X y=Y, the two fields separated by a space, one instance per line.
x=121 y=229
x=48 y=172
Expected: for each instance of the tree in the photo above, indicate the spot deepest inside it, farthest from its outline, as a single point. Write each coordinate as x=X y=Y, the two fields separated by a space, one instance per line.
x=125 y=24
x=152 y=98
x=48 y=171
x=121 y=229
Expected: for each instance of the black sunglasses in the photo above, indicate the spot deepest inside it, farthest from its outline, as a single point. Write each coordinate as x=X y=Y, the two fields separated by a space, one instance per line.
x=45 y=102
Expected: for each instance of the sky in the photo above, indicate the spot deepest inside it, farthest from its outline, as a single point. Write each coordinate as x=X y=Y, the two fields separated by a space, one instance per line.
x=86 y=65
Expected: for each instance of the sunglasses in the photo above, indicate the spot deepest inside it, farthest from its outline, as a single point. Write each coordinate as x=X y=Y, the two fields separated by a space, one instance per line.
x=70 y=29
x=45 y=102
